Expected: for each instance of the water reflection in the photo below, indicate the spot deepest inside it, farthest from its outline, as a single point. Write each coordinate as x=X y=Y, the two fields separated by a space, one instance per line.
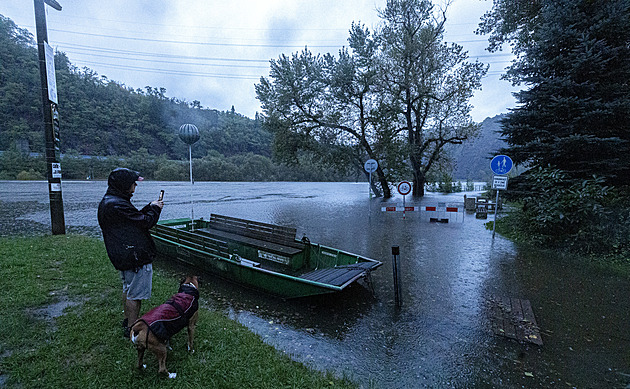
x=441 y=335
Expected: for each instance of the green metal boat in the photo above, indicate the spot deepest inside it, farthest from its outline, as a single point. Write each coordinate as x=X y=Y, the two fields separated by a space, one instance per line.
x=259 y=255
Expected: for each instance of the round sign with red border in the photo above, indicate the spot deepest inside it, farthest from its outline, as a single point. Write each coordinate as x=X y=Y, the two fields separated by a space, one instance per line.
x=404 y=188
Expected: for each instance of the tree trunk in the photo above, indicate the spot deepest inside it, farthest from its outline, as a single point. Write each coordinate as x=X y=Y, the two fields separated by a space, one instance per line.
x=372 y=185
x=379 y=176
x=384 y=184
x=418 y=183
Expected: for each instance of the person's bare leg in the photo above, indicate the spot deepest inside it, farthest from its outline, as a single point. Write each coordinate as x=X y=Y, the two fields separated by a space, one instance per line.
x=124 y=300
x=132 y=310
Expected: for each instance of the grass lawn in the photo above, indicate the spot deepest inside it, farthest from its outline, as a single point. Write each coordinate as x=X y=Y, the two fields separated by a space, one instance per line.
x=60 y=313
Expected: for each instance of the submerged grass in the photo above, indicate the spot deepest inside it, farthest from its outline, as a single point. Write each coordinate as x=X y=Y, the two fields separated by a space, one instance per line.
x=82 y=346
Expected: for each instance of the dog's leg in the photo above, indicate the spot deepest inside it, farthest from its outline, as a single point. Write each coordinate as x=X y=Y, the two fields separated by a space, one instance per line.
x=191 y=331
x=135 y=336
x=140 y=365
x=160 y=354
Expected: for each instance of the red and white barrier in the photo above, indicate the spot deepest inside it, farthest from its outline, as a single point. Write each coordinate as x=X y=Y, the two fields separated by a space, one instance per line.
x=400 y=209
x=440 y=212
x=444 y=212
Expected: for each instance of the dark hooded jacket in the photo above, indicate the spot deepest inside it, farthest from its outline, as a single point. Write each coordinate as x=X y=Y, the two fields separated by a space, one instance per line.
x=125 y=228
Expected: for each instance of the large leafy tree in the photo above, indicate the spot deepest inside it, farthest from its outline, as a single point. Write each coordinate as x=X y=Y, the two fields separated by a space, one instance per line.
x=326 y=105
x=573 y=60
x=429 y=83
x=398 y=95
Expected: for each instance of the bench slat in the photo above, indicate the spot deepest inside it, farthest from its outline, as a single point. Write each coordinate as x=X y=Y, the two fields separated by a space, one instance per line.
x=256 y=230
x=210 y=244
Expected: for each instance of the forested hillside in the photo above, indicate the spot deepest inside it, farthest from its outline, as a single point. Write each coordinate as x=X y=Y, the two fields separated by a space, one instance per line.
x=104 y=117
x=114 y=125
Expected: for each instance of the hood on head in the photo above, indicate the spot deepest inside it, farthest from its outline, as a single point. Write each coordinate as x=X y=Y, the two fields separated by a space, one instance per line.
x=122 y=179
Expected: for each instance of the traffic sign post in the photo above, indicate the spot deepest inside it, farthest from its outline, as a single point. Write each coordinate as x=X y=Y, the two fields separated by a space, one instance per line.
x=499 y=182
x=370 y=166
x=501 y=164
x=404 y=188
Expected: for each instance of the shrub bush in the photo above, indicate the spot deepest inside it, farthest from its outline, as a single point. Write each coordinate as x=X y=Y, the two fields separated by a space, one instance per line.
x=584 y=216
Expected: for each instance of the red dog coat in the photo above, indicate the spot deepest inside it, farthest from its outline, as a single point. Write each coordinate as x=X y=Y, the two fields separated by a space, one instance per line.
x=169 y=318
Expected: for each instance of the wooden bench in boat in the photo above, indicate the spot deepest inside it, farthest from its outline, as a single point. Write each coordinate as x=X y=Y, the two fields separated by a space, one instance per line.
x=269 y=237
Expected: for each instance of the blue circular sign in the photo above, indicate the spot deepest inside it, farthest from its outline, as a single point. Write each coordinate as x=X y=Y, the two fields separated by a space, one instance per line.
x=501 y=164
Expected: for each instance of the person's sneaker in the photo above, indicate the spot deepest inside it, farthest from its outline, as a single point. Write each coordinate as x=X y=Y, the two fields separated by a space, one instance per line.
x=126 y=330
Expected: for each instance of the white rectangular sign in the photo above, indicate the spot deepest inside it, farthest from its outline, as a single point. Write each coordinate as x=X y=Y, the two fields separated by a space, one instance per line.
x=500 y=182
x=55 y=187
x=56 y=170
x=50 y=73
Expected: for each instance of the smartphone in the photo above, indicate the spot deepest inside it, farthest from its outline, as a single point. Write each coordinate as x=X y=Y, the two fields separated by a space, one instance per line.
x=161 y=195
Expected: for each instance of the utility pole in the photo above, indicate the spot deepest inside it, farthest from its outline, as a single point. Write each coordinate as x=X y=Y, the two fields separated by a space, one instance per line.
x=51 y=116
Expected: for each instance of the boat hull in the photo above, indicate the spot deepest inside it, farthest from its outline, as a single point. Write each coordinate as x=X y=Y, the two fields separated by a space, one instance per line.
x=201 y=250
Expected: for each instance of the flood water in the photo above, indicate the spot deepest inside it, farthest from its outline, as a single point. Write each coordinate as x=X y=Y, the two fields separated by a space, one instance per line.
x=441 y=336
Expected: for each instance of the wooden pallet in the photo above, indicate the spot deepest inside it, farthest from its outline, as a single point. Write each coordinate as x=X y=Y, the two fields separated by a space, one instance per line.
x=514 y=319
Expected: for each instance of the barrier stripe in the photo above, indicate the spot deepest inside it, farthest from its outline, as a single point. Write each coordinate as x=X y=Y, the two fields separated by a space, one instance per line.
x=399 y=209
x=440 y=208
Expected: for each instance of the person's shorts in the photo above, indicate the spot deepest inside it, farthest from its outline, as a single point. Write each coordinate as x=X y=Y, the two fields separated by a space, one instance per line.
x=137 y=285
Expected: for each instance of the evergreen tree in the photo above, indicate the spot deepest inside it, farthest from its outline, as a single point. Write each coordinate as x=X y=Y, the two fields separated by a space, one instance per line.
x=574 y=59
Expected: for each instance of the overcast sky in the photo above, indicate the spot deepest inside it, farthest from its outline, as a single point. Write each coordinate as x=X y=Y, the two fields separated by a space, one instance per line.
x=215 y=51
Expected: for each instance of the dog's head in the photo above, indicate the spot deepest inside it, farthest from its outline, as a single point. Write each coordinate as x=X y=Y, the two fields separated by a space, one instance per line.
x=190 y=280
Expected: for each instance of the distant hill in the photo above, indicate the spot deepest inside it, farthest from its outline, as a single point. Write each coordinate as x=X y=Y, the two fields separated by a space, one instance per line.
x=472 y=159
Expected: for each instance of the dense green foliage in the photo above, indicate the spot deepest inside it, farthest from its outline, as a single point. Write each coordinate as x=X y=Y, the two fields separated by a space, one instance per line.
x=587 y=216
x=213 y=167
x=117 y=125
x=572 y=124
x=398 y=95
x=43 y=346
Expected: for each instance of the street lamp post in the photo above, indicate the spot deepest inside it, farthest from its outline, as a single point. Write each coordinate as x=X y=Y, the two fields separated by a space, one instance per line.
x=189 y=134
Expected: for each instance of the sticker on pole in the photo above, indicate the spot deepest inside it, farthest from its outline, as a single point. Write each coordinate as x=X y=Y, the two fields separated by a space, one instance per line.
x=501 y=164
x=56 y=170
x=404 y=188
x=370 y=165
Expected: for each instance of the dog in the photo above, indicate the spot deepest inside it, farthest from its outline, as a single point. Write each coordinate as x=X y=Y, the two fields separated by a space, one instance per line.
x=154 y=329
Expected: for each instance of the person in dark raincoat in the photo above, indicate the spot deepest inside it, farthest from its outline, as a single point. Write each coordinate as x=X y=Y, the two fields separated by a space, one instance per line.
x=127 y=240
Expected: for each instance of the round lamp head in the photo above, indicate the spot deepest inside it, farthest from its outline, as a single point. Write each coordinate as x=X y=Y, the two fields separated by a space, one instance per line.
x=188 y=133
